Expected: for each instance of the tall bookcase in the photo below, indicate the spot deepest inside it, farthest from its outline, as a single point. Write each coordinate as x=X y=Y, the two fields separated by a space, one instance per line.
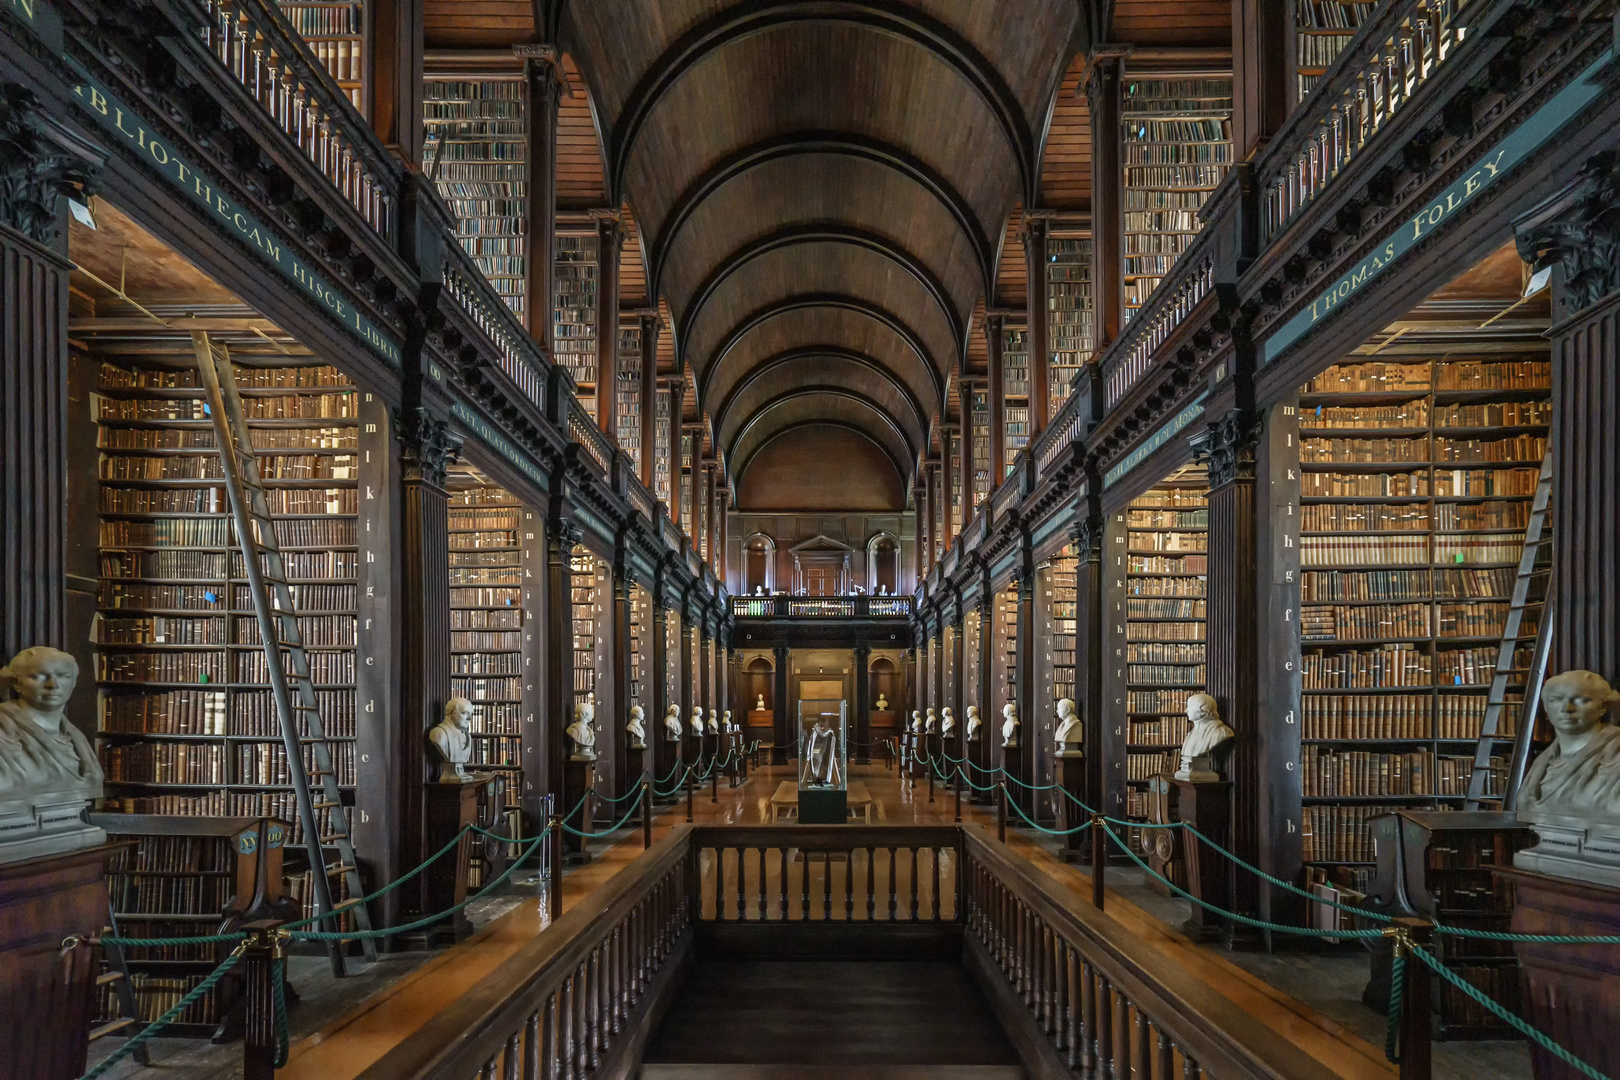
x=1177 y=146
x=1015 y=394
x=1062 y=582
x=335 y=33
x=1166 y=581
x=1072 y=332
x=587 y=603
x=575 y=286
x=1416 y=477
x=1322 y=28
x=1004 y=658
x=477 y=150
x=953 y=451
x=661 y=432
x=487 y=622
x=627 y=391
x=979 y=425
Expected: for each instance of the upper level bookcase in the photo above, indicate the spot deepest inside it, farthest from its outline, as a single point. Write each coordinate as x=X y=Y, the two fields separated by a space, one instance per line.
x=335 y=33
x=1015 y=393
x=1071 y=330
x=1322 y=29
x=576 y=286
x=979 y=428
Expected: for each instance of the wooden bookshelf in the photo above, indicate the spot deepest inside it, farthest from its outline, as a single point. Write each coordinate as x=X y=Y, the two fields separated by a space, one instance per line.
x=186 y=723
x=576 y=284
x=335 y=34
x=1004 y=661
x=661 y=432
x=587 y=604
x=953 y=452
x=476 y=153
x=1015 y=394
x=1064 y=606
x=627 y=390
x=1417 y=474
x=1322 y=28
x=1176 y=147
x=1072 y=331
x=979 y=410
x=1166 y=582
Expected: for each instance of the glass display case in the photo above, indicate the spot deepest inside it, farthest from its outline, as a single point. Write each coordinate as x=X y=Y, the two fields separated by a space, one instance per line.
x=823 y=762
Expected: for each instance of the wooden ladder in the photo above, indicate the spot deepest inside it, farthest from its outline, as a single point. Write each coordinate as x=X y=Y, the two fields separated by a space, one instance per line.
x=115 y=973
x=326 y=826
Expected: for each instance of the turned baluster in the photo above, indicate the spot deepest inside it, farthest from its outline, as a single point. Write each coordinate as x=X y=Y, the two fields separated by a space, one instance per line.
x=565 y=1029
x=1105 y=1027
x=937 y=914
x=742 y=884
x=764 y=912
x=1088 y=1018
x=1143 y=1064
x=826 y=886
x=871 y=884
x=784 y=884
x=894 y=889
x=513 y=1057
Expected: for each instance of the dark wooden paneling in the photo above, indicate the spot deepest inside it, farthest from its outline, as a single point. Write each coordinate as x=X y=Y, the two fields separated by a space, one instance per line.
x=821 y=468
x=1110 y=739
x=1066 y=160
x=476 y=23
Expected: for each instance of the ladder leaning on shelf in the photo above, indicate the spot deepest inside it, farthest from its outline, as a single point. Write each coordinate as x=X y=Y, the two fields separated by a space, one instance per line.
x=1536 y=539
x=287 y=663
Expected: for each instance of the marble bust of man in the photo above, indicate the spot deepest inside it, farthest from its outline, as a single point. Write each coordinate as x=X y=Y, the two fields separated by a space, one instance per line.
x=1069 y=734
x=759 y=704
x=1571 y=795
x=947 y=722
x=695 y=725
x=672 y=721
x=452 y=738
x=881 y=704
x=1009 y=726
x=636 y=728
x=582 y=732
x=48 y=769
x=916 y=722
x=930 y=722
x=714 y=722
x=725 y=723
x=1204 y=743
x=971 y=732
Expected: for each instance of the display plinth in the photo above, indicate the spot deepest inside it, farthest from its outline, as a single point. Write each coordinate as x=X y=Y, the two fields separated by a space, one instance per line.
x=1012 y=764
x=48 y=995
x=694 y=754
x=449 y=808
x=1570 y=993
x=950 y=753
x=1070 y=766
x=579 y=780
x=823 y=806
x=635 y=767
x=1206 y=805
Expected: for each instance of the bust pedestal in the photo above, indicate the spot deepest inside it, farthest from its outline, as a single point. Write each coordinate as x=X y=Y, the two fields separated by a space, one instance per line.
x=1206 y=805
x=950 y=749
x=694 y=753
x=449 y=808
x=1070 y=769
x=635 y=766
x=579 y=779
x=1012 y=761
x=761 y=728
x=48 y=997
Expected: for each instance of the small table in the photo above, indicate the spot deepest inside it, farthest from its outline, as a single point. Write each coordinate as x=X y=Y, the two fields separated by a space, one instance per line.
x=785 y=802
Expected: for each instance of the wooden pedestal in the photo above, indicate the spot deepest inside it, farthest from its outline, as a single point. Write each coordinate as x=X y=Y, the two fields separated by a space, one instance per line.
x=1207 y=807
x=449 y=809
x=1571 y=993
x=1070 y=766
x=48 y=997
x=972 y=768
x=579 y=781
x=694 y=753
x=1012 y=764
x=760 y=727
x=635 y=767
x=950 y=749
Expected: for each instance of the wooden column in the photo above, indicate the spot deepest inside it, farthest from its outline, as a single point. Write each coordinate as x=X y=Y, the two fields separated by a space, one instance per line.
x=980 y=749
x=693 y=524
x=964 y=464
x=1037 y=223
x=1264 y=86
x=651 y=324
x=956 y=696
x=1573 y=232
x=931 y=495
x=562 y=536
x=1087 y=538
x=612 y=725
x=427 y=449
x=543 y=88
x=656 y=676
x=919 y=496
x=994 y=338
x=1107 y=221
x=703 y=660
x=393 y=93
x=861 y=733
x=779 y=706
x=947 y=469
x=1024 y=691
x=609 y=243
x=688 y=700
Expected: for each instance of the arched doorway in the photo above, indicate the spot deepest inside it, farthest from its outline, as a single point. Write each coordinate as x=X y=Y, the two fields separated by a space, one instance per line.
x=882 y=565
x=759 y=565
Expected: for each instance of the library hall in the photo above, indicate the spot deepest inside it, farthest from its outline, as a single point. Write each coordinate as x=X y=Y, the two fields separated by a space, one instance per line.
x=809 y=539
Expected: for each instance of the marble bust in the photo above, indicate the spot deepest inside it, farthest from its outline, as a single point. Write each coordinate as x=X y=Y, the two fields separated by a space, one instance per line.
x=714 y=722
x=636 y=727
x=930 y=722
x=916 y=722
x=1571 y=795
x=1205 y=743
x=582 y=732
x=881 y=704
x=1069 y=735
x=452 y=739
x=1009 y=726
x=725 y=723
x=759 y=705
x=971 y=732
x=48 y=770
x=695 y=725
x=672 y=721
x=947 y=722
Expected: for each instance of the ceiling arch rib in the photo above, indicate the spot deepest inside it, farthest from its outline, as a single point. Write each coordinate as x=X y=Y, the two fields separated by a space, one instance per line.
x=831 y=367
x=824 y=143
x=796 y=408
x=893 y=19
x=850 y=321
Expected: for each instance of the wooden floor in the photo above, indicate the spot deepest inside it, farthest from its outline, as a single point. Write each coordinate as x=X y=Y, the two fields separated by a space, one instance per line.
x=356 y=1039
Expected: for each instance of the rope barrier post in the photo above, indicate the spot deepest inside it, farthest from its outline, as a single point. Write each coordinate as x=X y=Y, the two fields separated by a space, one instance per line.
x=556 y=846
x=956 y=788
x=714 y=781
x=1099 y=860
x=646 y=813
x=1416 y=1007
x=930 y=779
x=258 y=968
x=1001 y=814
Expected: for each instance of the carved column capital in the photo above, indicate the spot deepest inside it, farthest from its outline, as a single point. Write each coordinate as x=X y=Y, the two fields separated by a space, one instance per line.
x=1102 y=73
x=34 y=172
x=1578 y=230
x=427 y=445
x=609 y=228
x=1228 y=446
x=1086 y=538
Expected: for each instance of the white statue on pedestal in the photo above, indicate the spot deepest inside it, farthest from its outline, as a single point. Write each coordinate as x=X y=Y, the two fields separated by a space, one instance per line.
x=725 y=723
x=637 y=728
x=1571 y=795
x=452 y=738
x=1069 y=734
x=1009 y=726
x=759 y=706
x=695 y=725
x=48 y=769
x=947 y=722
x=714 y=722
x=1208 y=735
x=916 y=722
x=882 y=704
x=971 y=733
x=582 y=732
x=672 y=722
x=930 y=722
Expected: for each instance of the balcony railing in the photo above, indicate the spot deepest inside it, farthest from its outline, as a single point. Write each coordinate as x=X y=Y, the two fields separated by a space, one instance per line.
x=583 y=430
x=261 y=50
x=1373 y=79
x=1176 y=295
x=821 y=607
x=515 y=352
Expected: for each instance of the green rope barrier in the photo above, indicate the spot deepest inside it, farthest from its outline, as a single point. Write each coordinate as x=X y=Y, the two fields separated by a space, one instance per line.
x=1302 y=931
x=1044 y=829
x=620 y=799
x=1397 y=991
x=1519 y=1025
x=1363 y=912
x=679 y=784
x=611 y=829
x=976 y=787
x=278 y=1003
x=1539 y=939
x=150 y=1031
x=1031 y=787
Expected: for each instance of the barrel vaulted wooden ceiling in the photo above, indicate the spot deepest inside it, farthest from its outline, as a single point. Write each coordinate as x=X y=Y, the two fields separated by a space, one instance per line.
x=826 y=192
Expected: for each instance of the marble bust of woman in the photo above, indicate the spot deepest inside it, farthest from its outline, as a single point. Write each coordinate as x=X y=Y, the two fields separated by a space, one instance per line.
x=1571 y=795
